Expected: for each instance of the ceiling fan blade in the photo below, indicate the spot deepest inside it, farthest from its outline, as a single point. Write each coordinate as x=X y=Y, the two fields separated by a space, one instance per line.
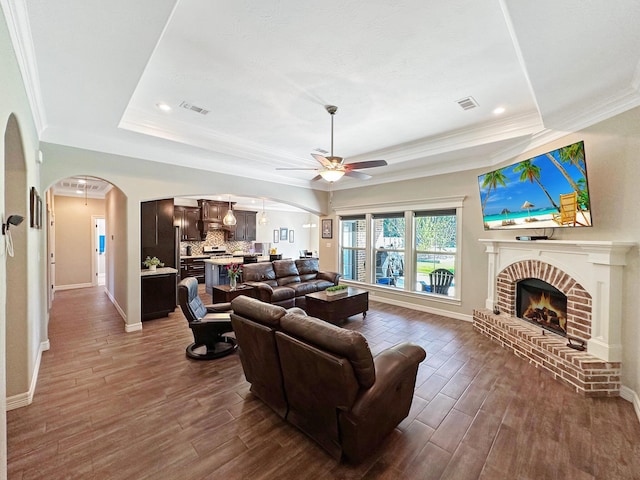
x=316 y=178
x=324 y=161
x=296 y=169
x=367 y=164
x=356 y=174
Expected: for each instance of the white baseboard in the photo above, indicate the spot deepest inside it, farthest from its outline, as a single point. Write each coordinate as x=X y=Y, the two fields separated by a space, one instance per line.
x=421 y=308
x=134 y=327
x=24 y=399
x=631 y=396
x=58 y=288
x=115 y=304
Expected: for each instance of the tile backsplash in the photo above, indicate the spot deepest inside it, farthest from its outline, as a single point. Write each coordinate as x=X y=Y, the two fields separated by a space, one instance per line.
x=215 y=238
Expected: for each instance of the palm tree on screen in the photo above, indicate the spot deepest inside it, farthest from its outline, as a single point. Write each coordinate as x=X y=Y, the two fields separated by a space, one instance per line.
x=491 y=181
x=574 y=154
x=529 y=171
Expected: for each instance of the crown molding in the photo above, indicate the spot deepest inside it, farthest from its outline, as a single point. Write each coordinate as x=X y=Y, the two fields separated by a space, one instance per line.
x=510 y=127
x=17 y=18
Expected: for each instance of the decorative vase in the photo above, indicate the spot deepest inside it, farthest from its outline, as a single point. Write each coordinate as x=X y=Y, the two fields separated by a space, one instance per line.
x=232 y=283
x=152 y=268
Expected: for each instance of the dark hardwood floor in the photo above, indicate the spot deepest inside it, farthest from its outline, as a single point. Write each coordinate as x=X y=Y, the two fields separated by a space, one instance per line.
x=115 y=405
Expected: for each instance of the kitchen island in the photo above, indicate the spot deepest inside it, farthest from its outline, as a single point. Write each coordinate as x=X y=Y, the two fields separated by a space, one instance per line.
x=215 y=272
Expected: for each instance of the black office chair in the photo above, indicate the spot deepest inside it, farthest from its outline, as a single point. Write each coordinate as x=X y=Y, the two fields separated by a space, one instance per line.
x=207 y=323
x=440 y=280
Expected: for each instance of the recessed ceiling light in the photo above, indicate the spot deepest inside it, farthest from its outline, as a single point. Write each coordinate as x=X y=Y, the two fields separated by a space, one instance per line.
x=164 y=107
x=79 y=192
x=82 y=180
x=499 y=110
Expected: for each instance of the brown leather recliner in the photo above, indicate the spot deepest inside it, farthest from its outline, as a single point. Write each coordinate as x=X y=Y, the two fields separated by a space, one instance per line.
x=208 y=323
x=338 y=394
x=255 y=323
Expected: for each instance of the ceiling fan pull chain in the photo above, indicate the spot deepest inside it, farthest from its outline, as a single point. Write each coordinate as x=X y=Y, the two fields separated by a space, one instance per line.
x=332 y=134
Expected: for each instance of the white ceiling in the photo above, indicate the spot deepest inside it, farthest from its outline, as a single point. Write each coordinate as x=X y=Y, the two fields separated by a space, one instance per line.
x=96 y=71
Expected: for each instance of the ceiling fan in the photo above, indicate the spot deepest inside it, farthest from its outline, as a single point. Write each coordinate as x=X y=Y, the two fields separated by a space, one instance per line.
x=333 y=168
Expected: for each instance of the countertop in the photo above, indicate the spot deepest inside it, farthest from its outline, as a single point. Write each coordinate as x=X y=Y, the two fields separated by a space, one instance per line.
x=194 y=256
x=157 y=271
x=229 y=260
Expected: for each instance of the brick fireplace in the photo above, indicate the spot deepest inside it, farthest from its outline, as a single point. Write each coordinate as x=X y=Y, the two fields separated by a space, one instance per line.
x=589 y=274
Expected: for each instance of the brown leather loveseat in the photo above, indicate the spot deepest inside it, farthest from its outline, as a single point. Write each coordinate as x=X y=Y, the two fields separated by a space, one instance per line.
x=286 y=282
x=323 y=378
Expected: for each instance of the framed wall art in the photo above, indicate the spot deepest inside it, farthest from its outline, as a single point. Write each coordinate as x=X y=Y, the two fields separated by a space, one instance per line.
x=284 y=234
x=35 y=209
x=327 y=228
x=276 y=236
x=291 y=239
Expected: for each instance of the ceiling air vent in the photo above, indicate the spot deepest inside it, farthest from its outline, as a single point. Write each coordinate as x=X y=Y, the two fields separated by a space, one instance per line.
x=194 y=108
x=468 y=103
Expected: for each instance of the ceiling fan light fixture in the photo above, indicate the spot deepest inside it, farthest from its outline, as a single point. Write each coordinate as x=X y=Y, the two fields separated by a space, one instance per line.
x=331 y=175
x=229 y=219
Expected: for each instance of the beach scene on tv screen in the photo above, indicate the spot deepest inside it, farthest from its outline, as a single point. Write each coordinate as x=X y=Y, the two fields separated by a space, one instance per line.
x=546 y=191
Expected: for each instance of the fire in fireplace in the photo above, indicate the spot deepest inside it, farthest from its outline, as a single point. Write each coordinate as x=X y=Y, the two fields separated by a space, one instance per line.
x=542 y=304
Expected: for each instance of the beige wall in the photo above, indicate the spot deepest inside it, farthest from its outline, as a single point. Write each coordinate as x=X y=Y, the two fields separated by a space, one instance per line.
x=116 y=261
x=74 y=232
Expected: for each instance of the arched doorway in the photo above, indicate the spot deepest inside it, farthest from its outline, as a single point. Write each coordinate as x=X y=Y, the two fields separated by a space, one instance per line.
x=15 y=203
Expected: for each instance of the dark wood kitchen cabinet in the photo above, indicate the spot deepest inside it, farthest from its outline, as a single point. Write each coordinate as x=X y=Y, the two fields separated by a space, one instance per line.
x=158 y=295
x=211 y=210
x=187 y=219
x=245 y=229
x=157 y=231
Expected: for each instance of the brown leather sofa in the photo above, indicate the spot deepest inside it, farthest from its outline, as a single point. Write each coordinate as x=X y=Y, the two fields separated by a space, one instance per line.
x=323 y=378
x=286 y=282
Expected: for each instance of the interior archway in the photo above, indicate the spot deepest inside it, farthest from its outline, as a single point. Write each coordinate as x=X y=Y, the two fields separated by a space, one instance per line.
x=73 y=203
x=15 y=203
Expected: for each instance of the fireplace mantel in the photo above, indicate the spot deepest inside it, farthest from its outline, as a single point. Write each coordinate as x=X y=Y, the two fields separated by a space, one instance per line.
x=596 y=265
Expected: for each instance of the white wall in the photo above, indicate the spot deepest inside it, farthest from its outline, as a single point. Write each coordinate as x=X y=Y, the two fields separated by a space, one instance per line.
x=304 y=238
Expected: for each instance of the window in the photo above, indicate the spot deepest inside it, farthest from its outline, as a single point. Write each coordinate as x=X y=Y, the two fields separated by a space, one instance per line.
x=353 y=247
x=413 y=249
x=388 y=240
x=436 y=251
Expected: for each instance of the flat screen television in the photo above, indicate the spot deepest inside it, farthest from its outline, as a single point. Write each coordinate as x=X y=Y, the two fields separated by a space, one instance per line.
x=547 y=191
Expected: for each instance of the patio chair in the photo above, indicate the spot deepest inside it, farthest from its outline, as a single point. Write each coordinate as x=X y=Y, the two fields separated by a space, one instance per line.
x=569 y=209
x=440 y=280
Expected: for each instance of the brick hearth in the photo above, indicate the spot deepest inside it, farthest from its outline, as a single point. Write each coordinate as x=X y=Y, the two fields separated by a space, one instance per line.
x=589 y=273
x=585 y=373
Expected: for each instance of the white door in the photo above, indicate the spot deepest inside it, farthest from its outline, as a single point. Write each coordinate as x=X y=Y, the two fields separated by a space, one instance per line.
x=99 y=248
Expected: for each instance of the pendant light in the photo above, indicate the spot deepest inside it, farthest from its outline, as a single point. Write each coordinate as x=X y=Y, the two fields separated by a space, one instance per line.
x=229 y=219
x=263 y=218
